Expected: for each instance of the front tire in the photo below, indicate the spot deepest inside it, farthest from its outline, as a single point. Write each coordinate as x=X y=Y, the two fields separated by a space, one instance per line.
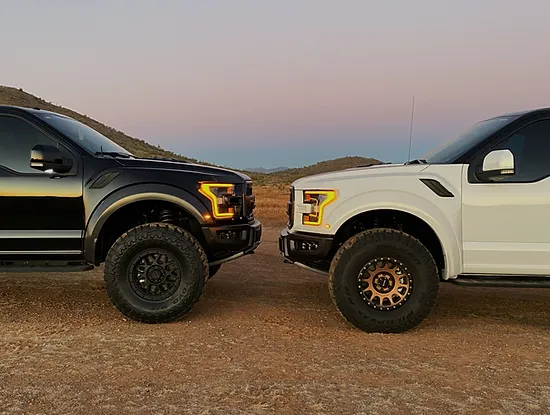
x=383 y=280
x=155 y=273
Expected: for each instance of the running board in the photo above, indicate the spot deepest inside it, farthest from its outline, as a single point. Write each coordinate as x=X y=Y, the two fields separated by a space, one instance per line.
x=505 y=281
x=43 y=266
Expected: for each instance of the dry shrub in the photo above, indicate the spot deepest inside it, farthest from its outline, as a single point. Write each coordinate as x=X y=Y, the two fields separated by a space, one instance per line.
x=271 y=204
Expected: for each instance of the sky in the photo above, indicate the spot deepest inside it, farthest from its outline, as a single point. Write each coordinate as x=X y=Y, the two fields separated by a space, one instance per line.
x=246 y=83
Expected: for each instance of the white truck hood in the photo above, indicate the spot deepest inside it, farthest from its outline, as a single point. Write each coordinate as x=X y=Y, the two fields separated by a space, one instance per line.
x=326 y=180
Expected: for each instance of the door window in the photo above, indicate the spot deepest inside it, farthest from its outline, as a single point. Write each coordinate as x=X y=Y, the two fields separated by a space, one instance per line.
x=531 y=149
x=17 y=138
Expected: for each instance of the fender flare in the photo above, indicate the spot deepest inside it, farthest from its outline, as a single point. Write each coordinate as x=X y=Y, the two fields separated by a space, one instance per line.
x=137 y=193
x=423 y=209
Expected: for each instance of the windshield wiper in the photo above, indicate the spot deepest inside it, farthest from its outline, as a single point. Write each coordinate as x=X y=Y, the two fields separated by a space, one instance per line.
x=113 y=154
x=417 y=161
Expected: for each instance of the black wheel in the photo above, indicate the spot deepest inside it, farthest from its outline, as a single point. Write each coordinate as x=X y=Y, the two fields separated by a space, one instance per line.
x=214 y=269
x=383 y=280
x=155 y=273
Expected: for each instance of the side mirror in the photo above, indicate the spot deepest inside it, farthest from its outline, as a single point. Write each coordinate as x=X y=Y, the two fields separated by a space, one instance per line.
x=498 y=163
x=46 y=158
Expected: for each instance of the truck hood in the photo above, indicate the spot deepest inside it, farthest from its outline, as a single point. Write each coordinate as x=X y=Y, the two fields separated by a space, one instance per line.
x=327 y=180
x=217 y=173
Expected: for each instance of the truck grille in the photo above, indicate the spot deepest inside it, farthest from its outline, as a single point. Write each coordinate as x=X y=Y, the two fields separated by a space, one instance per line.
x=290 y=208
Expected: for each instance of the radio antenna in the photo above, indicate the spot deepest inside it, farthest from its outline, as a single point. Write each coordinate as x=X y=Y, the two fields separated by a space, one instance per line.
x=411 y=132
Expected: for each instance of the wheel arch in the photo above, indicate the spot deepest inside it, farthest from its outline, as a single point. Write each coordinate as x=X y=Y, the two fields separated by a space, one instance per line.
x=435 y=233
x=135 y=194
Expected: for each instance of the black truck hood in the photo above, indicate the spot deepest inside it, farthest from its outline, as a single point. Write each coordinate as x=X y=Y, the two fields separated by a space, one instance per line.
x=217 y=173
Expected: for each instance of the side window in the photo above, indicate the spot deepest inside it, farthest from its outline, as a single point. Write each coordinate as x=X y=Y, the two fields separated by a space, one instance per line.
x=531 y=149
x=17 y=138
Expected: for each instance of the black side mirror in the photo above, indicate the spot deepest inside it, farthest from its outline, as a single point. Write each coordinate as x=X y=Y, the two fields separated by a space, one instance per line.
x=46 y=158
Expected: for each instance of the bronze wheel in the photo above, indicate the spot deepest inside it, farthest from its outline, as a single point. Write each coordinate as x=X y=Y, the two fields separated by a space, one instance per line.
x=385 y=283
x=383 y=280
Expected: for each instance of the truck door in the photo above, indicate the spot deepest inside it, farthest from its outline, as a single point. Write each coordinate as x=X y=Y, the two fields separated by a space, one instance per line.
x=40 y=213
x=506 y=221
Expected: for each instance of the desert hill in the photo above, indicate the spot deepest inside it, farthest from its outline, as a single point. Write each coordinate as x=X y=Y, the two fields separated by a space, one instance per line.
x=266 y=170
x=18 y=97
x=287 y=176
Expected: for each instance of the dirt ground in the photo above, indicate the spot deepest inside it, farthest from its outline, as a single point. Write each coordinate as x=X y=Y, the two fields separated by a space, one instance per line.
x=266 y=338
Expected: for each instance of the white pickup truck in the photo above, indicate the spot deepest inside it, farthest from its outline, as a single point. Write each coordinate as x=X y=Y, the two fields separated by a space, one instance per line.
x=474 y=212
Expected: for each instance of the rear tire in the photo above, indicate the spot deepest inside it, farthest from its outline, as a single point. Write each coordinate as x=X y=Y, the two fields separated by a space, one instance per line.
x=383 y=280
x=155 y=273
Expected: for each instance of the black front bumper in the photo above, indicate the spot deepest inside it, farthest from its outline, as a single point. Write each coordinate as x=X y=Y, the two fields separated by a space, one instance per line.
x=233 y=238
x=304 y=247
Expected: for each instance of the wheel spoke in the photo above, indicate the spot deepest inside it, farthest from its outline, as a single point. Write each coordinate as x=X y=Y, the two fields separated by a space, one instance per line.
x=385 y=283
x=155 y=275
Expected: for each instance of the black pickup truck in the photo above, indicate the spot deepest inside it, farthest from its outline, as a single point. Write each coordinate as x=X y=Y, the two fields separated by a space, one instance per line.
x=71 y=199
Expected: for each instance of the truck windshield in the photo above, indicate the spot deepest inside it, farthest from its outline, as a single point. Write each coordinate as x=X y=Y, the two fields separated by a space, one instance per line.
x=83 y=135
x=450 y=151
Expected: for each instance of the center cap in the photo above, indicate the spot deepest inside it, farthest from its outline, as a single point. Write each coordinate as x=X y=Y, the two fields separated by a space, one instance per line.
x=155 y=274
x=384 y=283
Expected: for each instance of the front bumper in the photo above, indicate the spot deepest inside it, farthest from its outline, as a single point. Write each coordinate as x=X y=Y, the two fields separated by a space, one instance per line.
x=233 y=238
x=304 y=247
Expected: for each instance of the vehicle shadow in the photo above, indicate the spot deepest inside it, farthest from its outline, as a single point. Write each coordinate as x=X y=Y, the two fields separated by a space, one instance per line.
x=461 y=307
x=270 y=291
x=304 y=296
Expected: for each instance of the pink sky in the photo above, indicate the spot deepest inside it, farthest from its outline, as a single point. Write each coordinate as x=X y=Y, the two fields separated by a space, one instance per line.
x=203 y=77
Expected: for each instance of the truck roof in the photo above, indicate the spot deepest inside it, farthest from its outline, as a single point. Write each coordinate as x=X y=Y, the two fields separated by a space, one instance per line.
x=526 y=112
x=28 y=109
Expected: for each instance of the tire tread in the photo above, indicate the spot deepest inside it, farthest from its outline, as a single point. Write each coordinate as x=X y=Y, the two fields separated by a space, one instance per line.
x=385 y=235
x=167 y=233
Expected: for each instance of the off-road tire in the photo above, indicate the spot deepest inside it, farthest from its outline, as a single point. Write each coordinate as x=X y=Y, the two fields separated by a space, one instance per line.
x=366 y=246
x=186 y=251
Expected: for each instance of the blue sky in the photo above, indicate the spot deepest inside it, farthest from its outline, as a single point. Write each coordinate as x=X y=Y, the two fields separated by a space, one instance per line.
x=247 y=83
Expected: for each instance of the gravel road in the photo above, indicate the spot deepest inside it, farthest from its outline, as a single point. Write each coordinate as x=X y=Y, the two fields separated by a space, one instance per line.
x=266 y=338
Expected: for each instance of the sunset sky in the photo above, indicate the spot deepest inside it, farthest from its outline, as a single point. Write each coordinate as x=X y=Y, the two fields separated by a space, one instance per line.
x=248 y=83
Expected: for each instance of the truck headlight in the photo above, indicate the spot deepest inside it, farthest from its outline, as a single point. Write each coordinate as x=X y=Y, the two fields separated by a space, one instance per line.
x=318 y=200
x=220 y=196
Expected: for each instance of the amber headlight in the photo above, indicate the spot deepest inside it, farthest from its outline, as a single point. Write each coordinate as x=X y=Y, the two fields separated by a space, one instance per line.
x=318 y=200
x=220 y=196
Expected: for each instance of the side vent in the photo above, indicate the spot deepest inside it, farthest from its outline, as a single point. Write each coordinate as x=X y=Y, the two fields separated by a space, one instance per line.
x=104 y=180
x=437 y=188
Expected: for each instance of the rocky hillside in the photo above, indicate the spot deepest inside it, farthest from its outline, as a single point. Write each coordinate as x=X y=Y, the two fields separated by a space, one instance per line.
x=13 y=96
x=286 y=177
